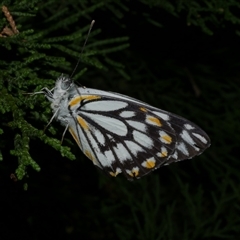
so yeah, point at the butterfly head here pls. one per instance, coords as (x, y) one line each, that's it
(59, 95)
(63, 84)
(64, 87)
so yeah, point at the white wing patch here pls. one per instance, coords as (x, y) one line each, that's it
(103, 160)
(188, 126)
(133, 147)
(175, 155)
(182, 148)
(142, 139)
(110, 157)
(127, 114)
(186, 137)
(112, 125)
(137, 125)
(122, 153)
(101, 139)
(162, 115)
(104, 105)
(200, 137)
(92, 141)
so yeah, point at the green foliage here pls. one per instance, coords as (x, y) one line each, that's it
(30, 66)
(204, 14)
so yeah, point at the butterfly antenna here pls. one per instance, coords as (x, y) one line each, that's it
(79, 59)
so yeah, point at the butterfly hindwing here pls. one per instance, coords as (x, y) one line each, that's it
(122, 134)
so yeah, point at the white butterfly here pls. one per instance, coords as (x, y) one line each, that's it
(122, 134)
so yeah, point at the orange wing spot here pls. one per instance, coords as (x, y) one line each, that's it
(143, 109)
(149, 163)
(129, 173)
(74, 136)
(164, 154)
(82, 123)
(75, 101)
(167, 139)
(155, 121)
(135, 171)
(89, 155)
(114, 174)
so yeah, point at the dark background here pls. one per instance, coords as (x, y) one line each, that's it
(183, 58)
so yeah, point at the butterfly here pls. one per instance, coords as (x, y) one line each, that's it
(120, 134)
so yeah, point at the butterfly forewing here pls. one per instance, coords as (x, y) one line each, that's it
(123, 135)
